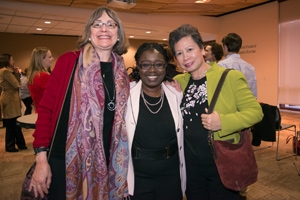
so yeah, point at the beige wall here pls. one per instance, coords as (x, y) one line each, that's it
(20, 47)
(258, 28)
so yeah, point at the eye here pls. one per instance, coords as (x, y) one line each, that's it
(178, 53)
(159, 65)
(189, 49)
(145, 65)
(111, 25)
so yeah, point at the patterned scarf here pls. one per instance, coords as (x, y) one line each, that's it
(85, 158)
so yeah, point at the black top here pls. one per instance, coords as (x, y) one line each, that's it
(155, 131)
(108, 78)
(193, 104)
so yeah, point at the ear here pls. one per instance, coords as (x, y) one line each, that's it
(225, 47)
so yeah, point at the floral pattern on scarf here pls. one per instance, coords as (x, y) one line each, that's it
(85, 158)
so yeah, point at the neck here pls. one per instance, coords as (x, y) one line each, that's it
(152, 92)
(105, 56)
(200, 73)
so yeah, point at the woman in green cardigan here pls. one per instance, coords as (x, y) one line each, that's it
(236, 109)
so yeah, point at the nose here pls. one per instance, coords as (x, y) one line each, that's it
(103, 28)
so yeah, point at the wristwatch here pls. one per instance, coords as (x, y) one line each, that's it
(40, 149)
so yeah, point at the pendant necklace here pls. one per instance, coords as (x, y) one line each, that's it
(161, 101)
(111, 106)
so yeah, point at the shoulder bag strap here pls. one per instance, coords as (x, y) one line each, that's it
(217, 91)
(210, 136)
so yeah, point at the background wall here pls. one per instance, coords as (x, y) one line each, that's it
(20, 47)
(289, 71)
(258, 28)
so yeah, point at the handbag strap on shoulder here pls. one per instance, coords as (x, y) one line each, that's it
(217, 91)
(210, 136)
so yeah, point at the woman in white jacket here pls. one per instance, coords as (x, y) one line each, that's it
(154, 126)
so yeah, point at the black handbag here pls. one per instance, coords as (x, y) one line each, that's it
(26, 194)
(236, 163)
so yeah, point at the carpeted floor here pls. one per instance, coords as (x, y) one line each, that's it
(277, 180)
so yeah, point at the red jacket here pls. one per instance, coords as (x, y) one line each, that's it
(51, 102)
(38, 87)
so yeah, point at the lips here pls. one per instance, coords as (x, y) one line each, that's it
(189, 64)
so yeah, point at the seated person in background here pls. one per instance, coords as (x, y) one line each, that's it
(154, 126)
(24, 93)
(213, 52)
(38, 74)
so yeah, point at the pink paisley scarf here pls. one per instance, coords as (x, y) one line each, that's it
(85, 159)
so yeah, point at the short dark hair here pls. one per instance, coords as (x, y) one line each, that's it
(4, 60)
(217, 50)
(233, 42)
(144, 47)
(183, 31)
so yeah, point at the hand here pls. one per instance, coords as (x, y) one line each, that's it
(174, 84)
(211, 121)
(41, 178)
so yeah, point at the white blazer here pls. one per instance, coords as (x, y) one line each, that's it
(174, 98)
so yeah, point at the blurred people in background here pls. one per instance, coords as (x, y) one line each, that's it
(171, 69)
(232, 44)
(213, 52)
(38, 73)
(10, 105)
(24, 93)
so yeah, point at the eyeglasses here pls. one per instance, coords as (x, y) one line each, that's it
(99, 24)
(147, 66)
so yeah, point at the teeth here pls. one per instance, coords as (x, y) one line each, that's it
(152, 77)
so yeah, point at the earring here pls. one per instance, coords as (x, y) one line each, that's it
(89, 39)
(118, 39)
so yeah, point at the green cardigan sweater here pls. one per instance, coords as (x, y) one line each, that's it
(236, 105)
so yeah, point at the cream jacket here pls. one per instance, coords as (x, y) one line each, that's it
(174, 98)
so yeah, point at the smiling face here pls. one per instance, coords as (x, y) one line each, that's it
(188, 54)
(152, 77)
(104, 37)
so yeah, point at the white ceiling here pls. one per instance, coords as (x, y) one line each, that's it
(20, 17)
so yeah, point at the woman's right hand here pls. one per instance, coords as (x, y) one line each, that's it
(41, 178)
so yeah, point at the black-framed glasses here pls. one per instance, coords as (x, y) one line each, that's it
(99, 24)
(147, 66)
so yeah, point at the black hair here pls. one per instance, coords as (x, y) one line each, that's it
(183, 31)
(233, 42)
(144, 47)
(4, 60)
(217, 50)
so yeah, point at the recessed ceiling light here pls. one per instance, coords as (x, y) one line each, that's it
(202, 1)
(148, 31)
(39, 29)
(131, 36)
(47, 22)
(164, 39)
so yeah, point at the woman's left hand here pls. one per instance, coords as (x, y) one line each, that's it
(211, 121)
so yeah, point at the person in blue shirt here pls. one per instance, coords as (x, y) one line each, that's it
(232, 44)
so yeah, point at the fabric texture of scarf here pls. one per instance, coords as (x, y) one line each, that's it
(86, 169)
